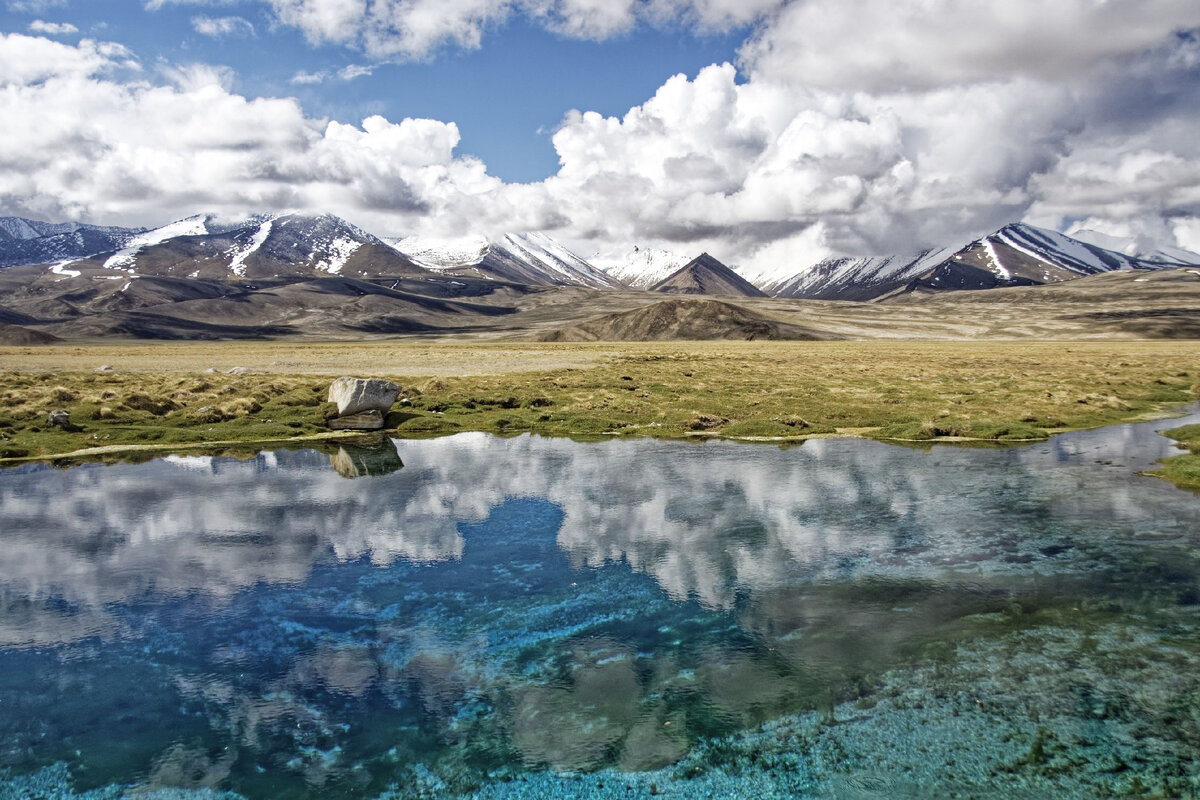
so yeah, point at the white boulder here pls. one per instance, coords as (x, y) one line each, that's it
(354, 395)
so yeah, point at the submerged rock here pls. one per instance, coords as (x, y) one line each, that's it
(353, 395)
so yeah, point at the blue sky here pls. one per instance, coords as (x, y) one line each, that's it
(771, 133)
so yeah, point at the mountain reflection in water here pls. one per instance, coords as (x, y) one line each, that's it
(471, 608)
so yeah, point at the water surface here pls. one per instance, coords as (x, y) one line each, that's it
(527, 617)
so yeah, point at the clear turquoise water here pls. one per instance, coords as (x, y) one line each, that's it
(525, 617)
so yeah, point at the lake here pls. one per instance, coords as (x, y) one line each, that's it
(538, 618)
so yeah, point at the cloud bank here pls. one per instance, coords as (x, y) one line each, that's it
(858, 127)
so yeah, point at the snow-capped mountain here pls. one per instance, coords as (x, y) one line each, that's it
(1140, 248)
(528, 258)
(1015, 255)
(643, 267)
(28, 241)
(262, 246)
(854, 278)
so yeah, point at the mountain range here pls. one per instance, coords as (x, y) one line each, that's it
(318, 275)
(297, 245)
(27, 241)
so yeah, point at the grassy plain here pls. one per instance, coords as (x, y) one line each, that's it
(177, 395)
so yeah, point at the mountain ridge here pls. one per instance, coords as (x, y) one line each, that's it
(1015, 255)
(534, 259)
(292, 245)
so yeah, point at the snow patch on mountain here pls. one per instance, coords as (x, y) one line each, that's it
(643, 267)
(339, 252)
(237, 263)
(60, 268)
(441, 255)
(997, 267)
(125, 258)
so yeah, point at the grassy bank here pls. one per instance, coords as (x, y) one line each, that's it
(1183, 470)
(993, 391)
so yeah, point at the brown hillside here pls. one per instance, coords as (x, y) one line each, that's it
(685, 319)
(16, 335)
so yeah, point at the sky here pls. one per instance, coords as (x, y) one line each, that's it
(770, 133)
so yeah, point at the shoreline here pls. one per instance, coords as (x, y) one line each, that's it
(163, 397)
(236, 446)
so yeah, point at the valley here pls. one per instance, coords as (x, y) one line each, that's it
(223, 335)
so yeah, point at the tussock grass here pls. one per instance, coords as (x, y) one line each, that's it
(788, 391)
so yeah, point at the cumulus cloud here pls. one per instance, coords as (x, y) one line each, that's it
(52, 28)
(222, 26)
(71, 152)
(844, 141)
(736, 168)
(415, 29)
(848, 128)
(883, 45)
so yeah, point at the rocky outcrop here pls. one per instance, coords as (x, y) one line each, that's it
(354, 395)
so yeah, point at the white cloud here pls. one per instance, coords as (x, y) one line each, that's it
(80, 144)
(415, 29)
(304, 78)
(586, 19)
(34, 6)
(336, 21)
(222, 26)
(886, 45)
(155, 5)
(52, 28)
(352, 71)
(29, 59)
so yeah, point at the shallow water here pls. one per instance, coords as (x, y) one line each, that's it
(526, 617)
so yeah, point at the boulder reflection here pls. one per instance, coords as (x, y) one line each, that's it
(366, 456)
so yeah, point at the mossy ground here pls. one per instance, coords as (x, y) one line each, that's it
(992, 391)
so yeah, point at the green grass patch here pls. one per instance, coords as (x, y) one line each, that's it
(961, 429)
(1183, 470)
(983, 391)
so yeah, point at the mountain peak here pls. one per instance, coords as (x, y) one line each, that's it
(535, 259)
(706, 275)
